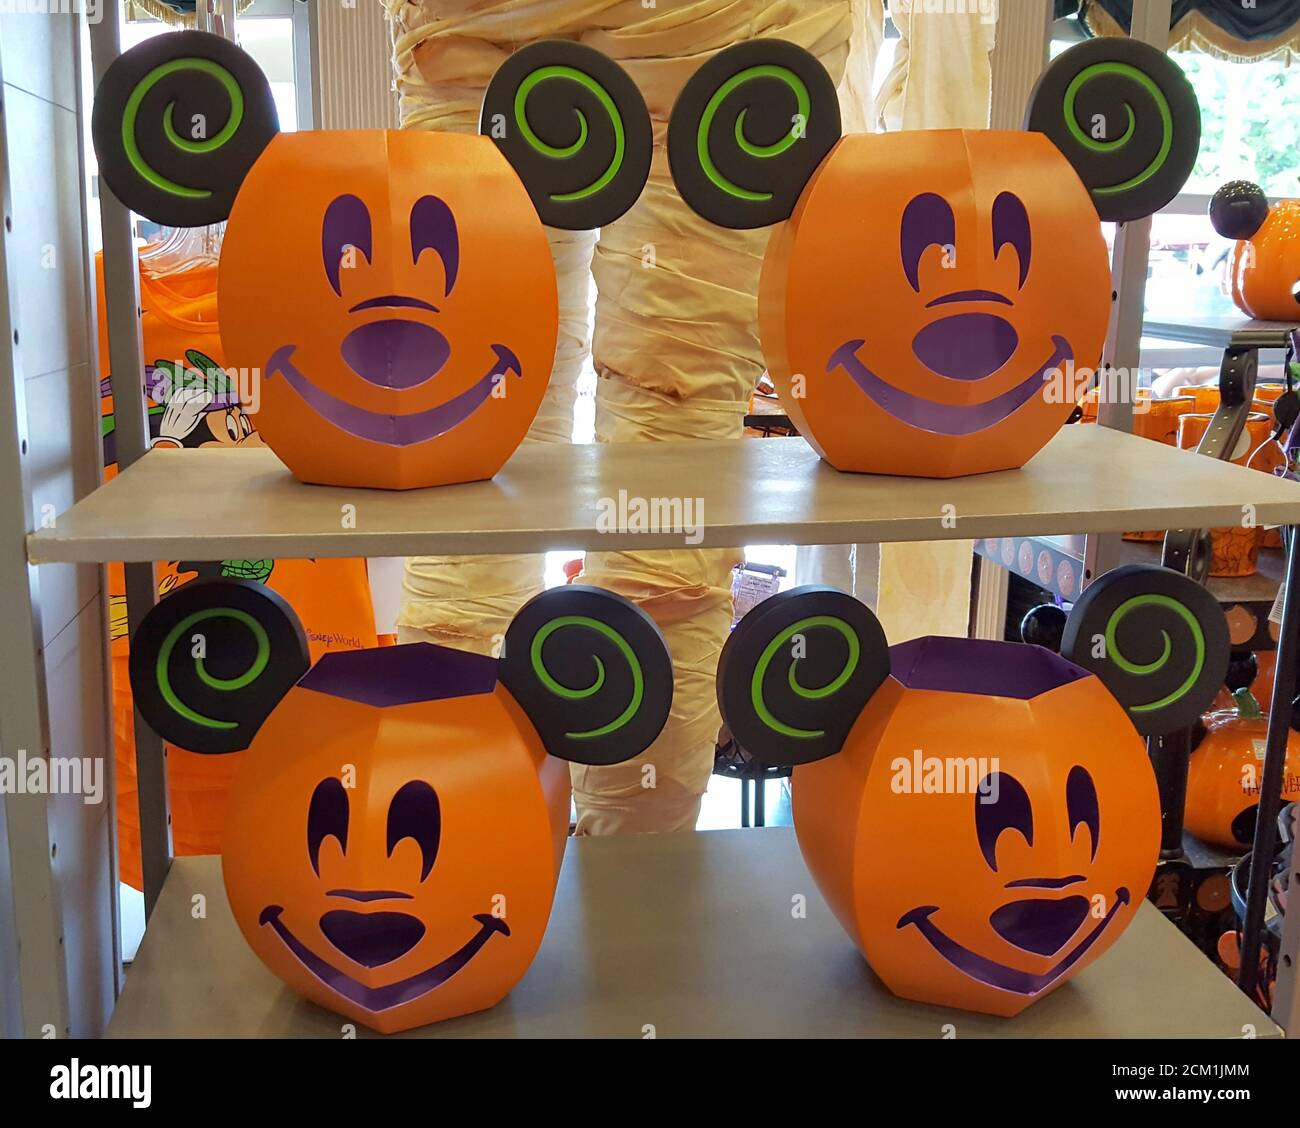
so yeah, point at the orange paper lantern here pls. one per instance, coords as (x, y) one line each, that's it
(400, 352)
(938, 299)
(981, 816)
(394, 837)
(390, 296)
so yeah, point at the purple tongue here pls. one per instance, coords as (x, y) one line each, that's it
(396, 353)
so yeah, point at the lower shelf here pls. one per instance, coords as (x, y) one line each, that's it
(692, 934)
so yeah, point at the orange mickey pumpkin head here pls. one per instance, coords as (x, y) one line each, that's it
(1265, 265)
(980, 816)
(937, 299)
(394, 838)
(1225, 770)
(390, 294)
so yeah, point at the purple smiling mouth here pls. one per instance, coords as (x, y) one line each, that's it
(999, 975)
(945, 418)
(376, 999)
(392, 430)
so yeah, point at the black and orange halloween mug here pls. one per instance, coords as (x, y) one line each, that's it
(981, 817)
(392, 291)
(933, 302)
(394, 837)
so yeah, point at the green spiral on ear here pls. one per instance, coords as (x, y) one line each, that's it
(591, 671)
(1195, 662)
(570, 694)
(1156, 639)
(150, 126)
(130, 123)
(211, 661)
(223, 685)
(576, 130)
(1121, 71)
(749, 130)
(797, 672)
(1146, 111)
(832, 687)
(564, 153)
(803, 100)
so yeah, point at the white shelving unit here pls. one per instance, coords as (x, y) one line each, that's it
(215, 505)
(771, 490)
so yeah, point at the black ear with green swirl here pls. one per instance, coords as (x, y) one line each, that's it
(211, 660)
(178, 122)
(576, 130)
(592, 672)
(1125, 116)
(796, 673)
(749, 130)
(1156, 639)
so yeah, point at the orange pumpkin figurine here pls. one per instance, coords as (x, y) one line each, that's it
(1265, 265)
(1226, 767)
(981, 816)
(391, 292)
(394, 838)
(936, 299)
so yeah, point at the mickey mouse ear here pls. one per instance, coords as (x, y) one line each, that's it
(1125, 116)
(211, 660)
(1156, 639)
(178, 122)
(796, 673)
(576, 129)
(1238, 209)
(592, 672)
(749, 130)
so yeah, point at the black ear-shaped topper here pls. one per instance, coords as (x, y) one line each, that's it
(1125, 116)
(1157, 640)
(592, 672)
(178, 122)
(576, 129)
(1238, 209)
(796, 673)
(749, 130)
(211, 660)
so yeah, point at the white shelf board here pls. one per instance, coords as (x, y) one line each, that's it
(692, 933)
(243, 504)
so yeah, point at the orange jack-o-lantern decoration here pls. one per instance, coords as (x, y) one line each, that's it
(1265, 266)
(1225, 772)
(938, 298)
(981, 816)
(394, 838)
(392, 294)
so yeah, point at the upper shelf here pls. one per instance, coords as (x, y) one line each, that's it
(243, 504)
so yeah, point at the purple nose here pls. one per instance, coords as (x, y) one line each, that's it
(371, 939)
(967, 346)
(1040, 926)
(396, 353)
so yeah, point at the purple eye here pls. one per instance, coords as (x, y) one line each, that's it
(414, 813)
(433, 228)
(1011, 226)
(327, 818)
(1081, 805)
(1010, 811)
(346, 226)
(927, 222)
